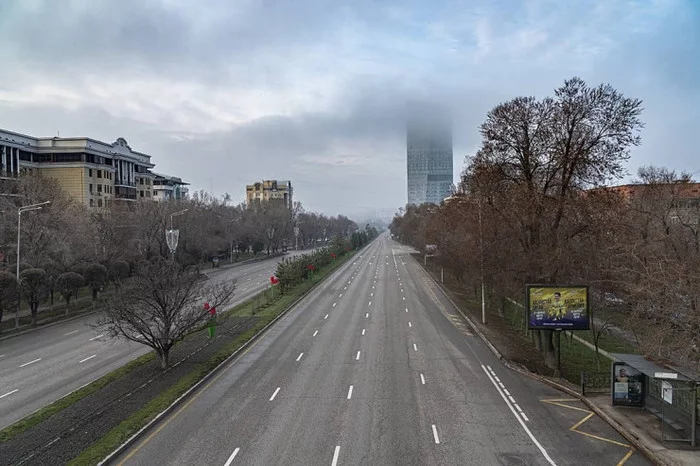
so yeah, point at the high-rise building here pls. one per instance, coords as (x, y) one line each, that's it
(270, 191)
(428, 154)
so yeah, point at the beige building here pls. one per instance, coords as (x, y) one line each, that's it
(270, 190)
(92, 172)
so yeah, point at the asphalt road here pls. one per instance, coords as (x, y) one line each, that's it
(374, 367)
(39, 367)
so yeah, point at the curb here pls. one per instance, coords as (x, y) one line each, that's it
(50, 324)
(653, 457)
(131, 440)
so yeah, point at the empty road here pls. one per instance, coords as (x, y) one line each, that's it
(40, 366)
(375, 367)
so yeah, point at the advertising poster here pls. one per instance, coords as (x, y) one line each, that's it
(628, 385)
(557, 307)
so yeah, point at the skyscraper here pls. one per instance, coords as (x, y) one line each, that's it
(428, 154)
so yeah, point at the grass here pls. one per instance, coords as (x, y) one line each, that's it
(273, 307)
(44, 413)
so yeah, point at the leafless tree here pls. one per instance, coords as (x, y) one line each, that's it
(161, 304)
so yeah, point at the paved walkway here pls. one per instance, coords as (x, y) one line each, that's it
(646, 427)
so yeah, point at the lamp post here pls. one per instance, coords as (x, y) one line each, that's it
(172, 236)
(481, 247)
(25, 208)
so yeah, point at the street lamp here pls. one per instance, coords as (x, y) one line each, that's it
(172, 236)
(25, 208)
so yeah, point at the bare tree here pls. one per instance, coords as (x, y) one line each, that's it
(161, 304)
(34, 288)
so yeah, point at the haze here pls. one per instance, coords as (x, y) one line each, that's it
(224, 94)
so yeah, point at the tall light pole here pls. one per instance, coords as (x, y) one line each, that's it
(481, 246)
(172, 236)
(25, 208)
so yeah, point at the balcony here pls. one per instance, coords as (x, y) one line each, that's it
(131, 184)
(124, 192)
(8, 174)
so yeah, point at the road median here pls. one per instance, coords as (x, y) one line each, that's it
(85, 428)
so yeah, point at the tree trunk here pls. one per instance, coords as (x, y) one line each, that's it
(34, 307)
(1, 311)
(94, 294)
(164, 358)
(502, 307)
(51, 291)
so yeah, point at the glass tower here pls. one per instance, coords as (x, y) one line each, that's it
(429, 155)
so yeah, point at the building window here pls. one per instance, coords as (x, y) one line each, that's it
(99, 188)
(92, 203)
(99, 173)
(99, 203)
(140, 193)
(90, 188)
(90, 172)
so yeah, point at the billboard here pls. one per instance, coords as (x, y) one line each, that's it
(556, 307)
(628, 385)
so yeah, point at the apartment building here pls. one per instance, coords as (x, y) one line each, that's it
(93, 173)
(270, 190)
(166, 187)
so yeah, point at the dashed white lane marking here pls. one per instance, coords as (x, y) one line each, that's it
(86, 359)
(98, 336)
(357, 358)
(334, 304)
(350, 392)
(30, 362)
(230, 458)
(340, 295)
(326, 316)
(404, 298)
(504, 390)
(274, 394)
(335, 455)
(9, 393)
(409, 325)
(406, 309)
(363, 331)
(489, 373)
(415, 348)
(367, 316)
(422, 379)
(299, 357)
(370, 303)
(71, 333)
(315, 333)
(435, 435)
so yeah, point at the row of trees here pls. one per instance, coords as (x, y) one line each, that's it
(65, 246)
(532, 207)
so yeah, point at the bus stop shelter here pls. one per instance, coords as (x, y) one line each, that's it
(662, 389)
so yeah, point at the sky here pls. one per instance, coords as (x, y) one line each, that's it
(224, 93)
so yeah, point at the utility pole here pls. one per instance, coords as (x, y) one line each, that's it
(481, 247)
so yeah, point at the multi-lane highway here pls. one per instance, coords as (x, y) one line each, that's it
(375, 367)
(40, 366)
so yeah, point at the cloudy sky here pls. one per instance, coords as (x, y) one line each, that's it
(225, 92)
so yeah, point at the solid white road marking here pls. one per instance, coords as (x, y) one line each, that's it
(30, 362)
(520, 421)
(422, 379)
(415, 348)
(326, 316)
(363, 331)
(357, 358)
(335, 455)
(315, 333)
(86, 359)
(230, 458)
(274, 394)
(350, 392)
(435, 435)
(409, 325)
(98, 336)
(71, 333)
(367, 316)
(9, 393)
(299, 357)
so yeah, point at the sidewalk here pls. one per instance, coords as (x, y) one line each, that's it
(646, 428)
